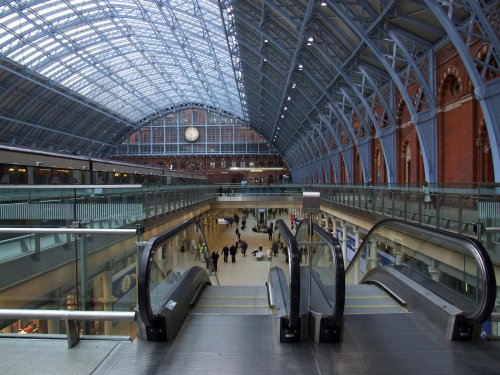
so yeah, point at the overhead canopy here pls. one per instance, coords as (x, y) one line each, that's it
(109, 66)
(315, 78)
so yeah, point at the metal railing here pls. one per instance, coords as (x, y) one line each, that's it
(71, 318)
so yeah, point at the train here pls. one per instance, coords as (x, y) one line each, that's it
(19, 166)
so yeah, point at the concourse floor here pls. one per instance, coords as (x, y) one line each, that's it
(246, 270)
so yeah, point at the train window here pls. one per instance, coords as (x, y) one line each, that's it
(14, 174)
(41, 176)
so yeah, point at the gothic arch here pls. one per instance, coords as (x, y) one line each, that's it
(483, 159)
(450, 85)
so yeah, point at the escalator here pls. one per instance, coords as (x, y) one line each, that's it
(172, 289)
(401, 299)
(403, 273)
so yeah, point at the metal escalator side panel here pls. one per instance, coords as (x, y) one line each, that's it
(323, 280)
(455, 268)
(160, 273)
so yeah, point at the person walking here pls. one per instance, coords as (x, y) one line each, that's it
(237, 233)
(233, 250)
(244, 247)
(225, 252)
(197, 251)
(215, 259)
(206, 255)
(270, 231)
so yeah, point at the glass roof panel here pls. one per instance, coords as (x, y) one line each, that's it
(133, 57)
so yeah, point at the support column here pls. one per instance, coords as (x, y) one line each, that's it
(373, 257)
(434, 270)
(344, 239)
(399, 255)
(357, 244)
(334, 227)
(107, 299)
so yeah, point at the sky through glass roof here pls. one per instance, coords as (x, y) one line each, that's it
(133, 57)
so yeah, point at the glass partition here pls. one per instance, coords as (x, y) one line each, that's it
(454, 267)
(322, 262)
(171, 255)
(286, 258)
(92, 270)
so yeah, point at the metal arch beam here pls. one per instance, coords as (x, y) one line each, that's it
(49, 130)
(386, 146)
(70, 97)
(426, 123)
(310, 135)
(363, 145)
(332, 102)
(234, 51)
(390, 163)
(93, 61)
(279, 48)
(335, 163)
(429, 93)
(325, 164)
(317, 128)
(488, 94)
(293, 60)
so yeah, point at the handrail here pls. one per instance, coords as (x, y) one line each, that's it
(145, 264)
(475, 248)
(294, 269)
(66, 314)
(70, 230)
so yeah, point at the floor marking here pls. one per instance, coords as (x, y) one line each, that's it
(230, 297)
(354, 297)
(373, 306)
(235, 306)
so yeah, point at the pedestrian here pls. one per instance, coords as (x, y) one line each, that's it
(225, 252)
(270, 231)
(197, 252)
(275, 248)
(206, 255)
(215, 258)
(427, 195)
(258, 251)
(244, 247)
(233, 250)
(237, 233)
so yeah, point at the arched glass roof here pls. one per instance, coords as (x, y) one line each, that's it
(131, 57)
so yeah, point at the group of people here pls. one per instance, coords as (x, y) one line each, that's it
(262, 228)
(226, 251)
(203, 254)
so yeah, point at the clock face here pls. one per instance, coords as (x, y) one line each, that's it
(191, 134)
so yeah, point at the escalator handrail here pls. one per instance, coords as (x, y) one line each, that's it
(145, 263)
(294, 269)
(338, 259)
(476, 249)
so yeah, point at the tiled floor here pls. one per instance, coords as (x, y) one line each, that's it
(246, 270)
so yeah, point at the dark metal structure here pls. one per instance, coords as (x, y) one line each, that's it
(315, 78)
